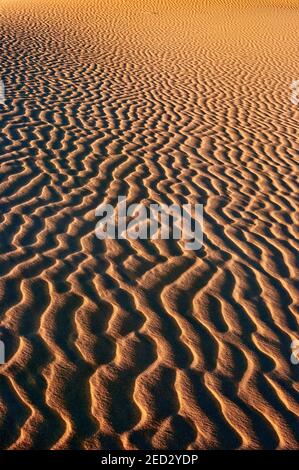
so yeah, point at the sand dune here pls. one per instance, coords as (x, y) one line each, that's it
(142, 344)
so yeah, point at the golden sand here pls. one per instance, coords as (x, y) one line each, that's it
(143, 344)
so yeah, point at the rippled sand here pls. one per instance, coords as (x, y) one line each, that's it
(143, 344)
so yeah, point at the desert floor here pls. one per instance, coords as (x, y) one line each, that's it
(140, 344)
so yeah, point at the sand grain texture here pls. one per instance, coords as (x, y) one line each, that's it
(143, 344)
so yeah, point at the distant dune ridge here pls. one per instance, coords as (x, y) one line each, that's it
(124, 344)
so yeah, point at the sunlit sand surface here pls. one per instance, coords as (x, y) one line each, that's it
(143, 344)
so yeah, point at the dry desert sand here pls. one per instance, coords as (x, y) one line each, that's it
(124, 344)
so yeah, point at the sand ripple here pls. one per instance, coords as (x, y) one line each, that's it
(141, 344)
